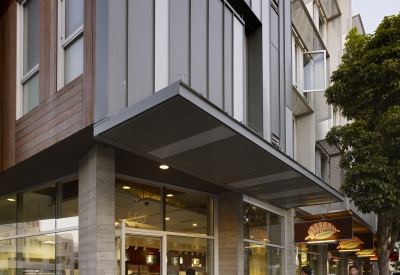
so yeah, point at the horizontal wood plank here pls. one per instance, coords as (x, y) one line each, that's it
(60, 136)
(50, 115)
(48, 125)
(52, 132)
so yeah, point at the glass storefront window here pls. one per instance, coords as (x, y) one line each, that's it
(185, 252)
(67, 215)
(37, 210)
(67, 252)
(8, 257)
(262, 259)
(138, 205)
(36, 255)
(188, 212)
(262, 225)
(8, 215)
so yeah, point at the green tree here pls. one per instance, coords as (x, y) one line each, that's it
(366, 89)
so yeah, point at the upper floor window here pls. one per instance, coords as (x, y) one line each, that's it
(70, 53)
(28, 96)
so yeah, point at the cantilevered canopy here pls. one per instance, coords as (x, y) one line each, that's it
(178, 127)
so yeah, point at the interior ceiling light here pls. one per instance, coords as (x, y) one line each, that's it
(195, 224)
(10, 199)
(126, 187)
(163, 166)
(167, 219)
(170, 195)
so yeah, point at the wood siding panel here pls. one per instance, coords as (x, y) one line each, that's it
(56, 118)
(49, 105)
(64, 134)
(8, 44)
(69, 103)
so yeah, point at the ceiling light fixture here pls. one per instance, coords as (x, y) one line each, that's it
(170, 195)
(167, 219)
(126, 187)
(163, 166)
(10, 199)
(195, 224)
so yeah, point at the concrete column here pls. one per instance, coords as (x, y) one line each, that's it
(230, 233)
(97, 212)
(290, 253)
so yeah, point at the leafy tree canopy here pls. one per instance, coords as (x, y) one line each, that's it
(366, 89)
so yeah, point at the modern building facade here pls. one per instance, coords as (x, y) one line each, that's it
(149, 136)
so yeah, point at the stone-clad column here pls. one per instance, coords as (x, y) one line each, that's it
(230, 233)
(97, 212)
(290, 254)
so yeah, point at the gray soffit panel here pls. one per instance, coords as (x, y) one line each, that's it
(178, 127)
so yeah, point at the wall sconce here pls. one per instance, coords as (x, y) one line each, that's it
(180, 260)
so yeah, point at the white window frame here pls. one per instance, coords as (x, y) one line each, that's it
(63, 42)
(302, 65)
(22, 78)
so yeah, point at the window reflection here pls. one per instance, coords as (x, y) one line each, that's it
(8, 257)
(36, 255)
(68, 204)
(188, 212)
(67, 252)
(8, 215)
(184, 253)
(262, 225)
(261, 259)
(37, 210)
(139, 205)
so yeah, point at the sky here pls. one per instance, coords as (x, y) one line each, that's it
(373, 11)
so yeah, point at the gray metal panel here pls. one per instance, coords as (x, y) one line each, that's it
(117, 56)
(289, 132)
(101, 79)
(281, 49)
(288, 53)
(215, 52)
(255, 81)
(198, 46)
(274, 28)
(140, 49)
(275, 94)
(228, 60)
(179, 39)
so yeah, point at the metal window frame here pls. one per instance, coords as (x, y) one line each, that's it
(313, 52)
(64, 42)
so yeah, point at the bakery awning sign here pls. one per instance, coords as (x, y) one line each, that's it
(359, 241)
(324, 230)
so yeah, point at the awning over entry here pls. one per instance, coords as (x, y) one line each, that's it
(178, 127)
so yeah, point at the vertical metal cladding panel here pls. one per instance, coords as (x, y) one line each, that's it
(101, 79)
(321, 108)
(215, 52)
(304, 141)
(275, 96)
(198, 46)
(179, 28)
(228, 64)
(117, 56)
(140, 49)
(238, 70)
(335, 172)
(255, 81)
(161, 49)
(256, 7)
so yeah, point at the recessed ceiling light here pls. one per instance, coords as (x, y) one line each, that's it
(170, 195)
(167, 219)
(10, 199)
(195, 224)
(126, 187)
(163, 166)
